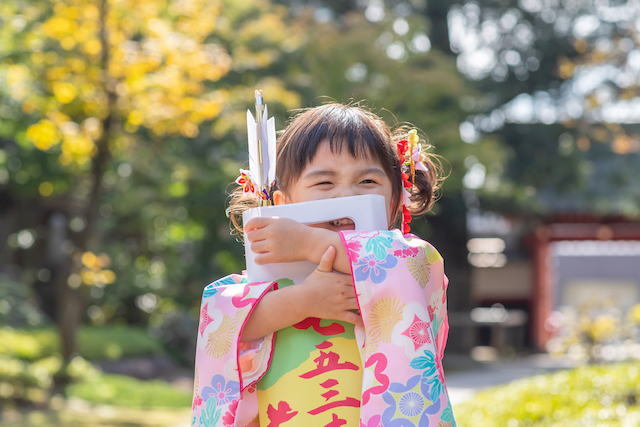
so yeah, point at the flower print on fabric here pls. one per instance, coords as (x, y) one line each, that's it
(419, 332)
(419, 267)
(364, 234)
(432, 372)
(219, 342)
(447, 417)
(408, 404)
(405, 252)
(197, 401)
(221, 391)
(372, 268)
(204, 318)
(419, 264)
(383, 317)
(227, 280)
(372, 422)
(353, 248)
(229, 417)
(210, 414)
(379, 245)
(374, 380)
(209, 291)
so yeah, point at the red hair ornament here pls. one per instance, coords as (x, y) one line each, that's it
(410, 153)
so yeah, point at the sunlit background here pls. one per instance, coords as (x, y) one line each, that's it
(122, 127)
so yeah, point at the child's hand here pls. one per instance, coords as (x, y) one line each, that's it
(330, 295)
(277, 239)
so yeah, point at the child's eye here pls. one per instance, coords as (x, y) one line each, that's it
(324, 183)
(368, 181)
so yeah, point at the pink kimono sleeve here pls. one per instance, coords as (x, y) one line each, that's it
(440, 318)
(225, 369)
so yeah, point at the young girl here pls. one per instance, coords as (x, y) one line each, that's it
(361, 340)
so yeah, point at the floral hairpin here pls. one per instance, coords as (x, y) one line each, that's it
(411, 159)
(249, 186)
(245, 181)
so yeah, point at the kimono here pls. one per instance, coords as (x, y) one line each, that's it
(401, 292)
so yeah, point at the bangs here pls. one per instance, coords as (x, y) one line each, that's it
(345, 128)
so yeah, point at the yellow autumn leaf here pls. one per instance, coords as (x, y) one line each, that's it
(108, 276)
(43, 134)
(90, 260)
(87, 276)
(64, 92)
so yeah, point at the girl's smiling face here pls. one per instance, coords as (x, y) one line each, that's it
(339, 174)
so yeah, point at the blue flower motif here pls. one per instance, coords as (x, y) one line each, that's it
(430, 374)
(210, 414)
(426, 363)
(447, 414)
(408, 404)
(209, 291)
(227, 280)
(221, 391)
(411, 404)
(374, 268)
(378, 245)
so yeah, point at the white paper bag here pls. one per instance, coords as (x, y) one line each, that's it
(368, 212)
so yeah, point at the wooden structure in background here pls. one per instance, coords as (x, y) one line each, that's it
(566, 227)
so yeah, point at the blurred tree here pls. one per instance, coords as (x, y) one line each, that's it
(112, 95)
(559, 80)
(538, 63)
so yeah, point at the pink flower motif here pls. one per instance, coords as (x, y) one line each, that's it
(197, 401)
(353, 246)
(204, 318)
(419, 332)
(432, 311)
(373, 422)
(230, 416)
(406, 252)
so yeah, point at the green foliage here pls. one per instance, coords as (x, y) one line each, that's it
(95, 343)
(28, 345)
(17, 307)
(115, 343)
(361, 60)
(26, 381)
(30, 360)
(118, 390)
(593, 395)
(105, 417)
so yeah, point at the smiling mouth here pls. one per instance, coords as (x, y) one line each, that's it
(341, 222)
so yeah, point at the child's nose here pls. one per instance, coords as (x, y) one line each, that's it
(347, 191)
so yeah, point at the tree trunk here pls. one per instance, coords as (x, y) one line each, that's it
(72, 300)
(436, 12)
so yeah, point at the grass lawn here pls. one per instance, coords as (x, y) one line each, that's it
(29, 360)
(599, 396)
(100, 416)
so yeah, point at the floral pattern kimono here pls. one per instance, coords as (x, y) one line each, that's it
(401, 292)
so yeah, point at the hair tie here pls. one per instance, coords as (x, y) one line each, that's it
(411, 159)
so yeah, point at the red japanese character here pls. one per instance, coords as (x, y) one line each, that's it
(336, 422)
(327, 362)
(280, 415)
(349, 401)
(314, 322)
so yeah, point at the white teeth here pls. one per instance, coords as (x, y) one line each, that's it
(340, 222)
